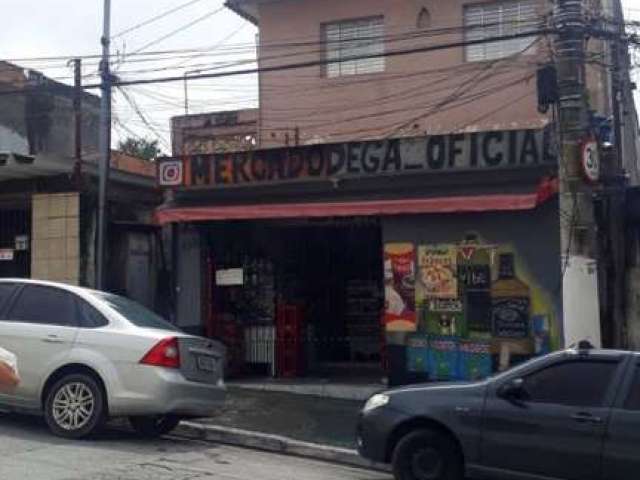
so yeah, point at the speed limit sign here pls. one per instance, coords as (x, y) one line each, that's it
(591, 160)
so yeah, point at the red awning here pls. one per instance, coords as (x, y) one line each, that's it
(466, 204)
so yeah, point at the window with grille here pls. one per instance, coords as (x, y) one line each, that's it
(500, 19)
(354, 38)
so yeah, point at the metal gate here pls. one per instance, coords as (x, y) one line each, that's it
(15, 243)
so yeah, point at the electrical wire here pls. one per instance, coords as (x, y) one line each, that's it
(154, 19)
(312, 63)
(249, 47)
(142, 117)
(178, 30)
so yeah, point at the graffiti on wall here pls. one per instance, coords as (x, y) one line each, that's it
(477, 310)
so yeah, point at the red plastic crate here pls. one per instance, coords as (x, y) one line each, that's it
(289, 341)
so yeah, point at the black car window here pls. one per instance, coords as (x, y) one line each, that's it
(6, 290)
(633, 399)
(90, 317)
(580, 383)
(45, 305)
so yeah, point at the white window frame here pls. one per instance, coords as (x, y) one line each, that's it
(353, 38)
(498, 19)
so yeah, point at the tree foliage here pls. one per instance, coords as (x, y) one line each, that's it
(140, 147)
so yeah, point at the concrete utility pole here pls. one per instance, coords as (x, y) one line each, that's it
(576, 206)
(186, 95)
(77, 110)
(105, 146)
(578, 234)
(614, 187)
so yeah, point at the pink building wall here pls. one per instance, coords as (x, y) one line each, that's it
(425, 93)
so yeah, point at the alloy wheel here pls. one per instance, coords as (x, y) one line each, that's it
(73, 406)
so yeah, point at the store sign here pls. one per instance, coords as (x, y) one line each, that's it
(230, 277)
(22, 243)
(170, 173)
(482, 151)
(6, 254)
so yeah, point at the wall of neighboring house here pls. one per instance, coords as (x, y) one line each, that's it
(41, 121)
(214, 132)
(422, 93)
(55, 244)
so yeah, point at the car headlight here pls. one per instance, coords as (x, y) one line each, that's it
(377, 401)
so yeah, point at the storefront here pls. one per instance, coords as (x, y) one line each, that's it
(423, 258)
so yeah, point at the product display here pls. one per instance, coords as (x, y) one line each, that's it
(399, 287)
(510, 302)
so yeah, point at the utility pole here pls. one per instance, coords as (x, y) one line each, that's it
(575, 194)
(577, 224)
(77, 110)
(105, 146)
(614, 194)
(186, 95)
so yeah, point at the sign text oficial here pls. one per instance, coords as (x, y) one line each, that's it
(432, 154)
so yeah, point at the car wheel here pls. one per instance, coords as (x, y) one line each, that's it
(427, 455)
(154, 426)
(75, 406)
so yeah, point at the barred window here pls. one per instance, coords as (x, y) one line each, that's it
(497, 20)
(354, 38)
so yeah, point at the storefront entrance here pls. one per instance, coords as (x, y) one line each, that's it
(297, 298)
(15, 232)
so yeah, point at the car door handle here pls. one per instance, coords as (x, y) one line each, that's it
(52, 339)
(585, 417)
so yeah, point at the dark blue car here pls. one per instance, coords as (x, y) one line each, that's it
(570, 415)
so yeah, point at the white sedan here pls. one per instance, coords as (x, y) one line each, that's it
(85, 356)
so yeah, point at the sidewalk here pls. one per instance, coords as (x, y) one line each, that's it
(285, 423)
(307, 418)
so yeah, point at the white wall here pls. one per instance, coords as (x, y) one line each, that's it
(580, 301)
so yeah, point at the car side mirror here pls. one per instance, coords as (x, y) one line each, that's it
(513, 390)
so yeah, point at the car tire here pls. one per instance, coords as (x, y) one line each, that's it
(155, 425)
(427, 455)
(75, 406)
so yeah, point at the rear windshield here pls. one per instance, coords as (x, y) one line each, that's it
(137, 314)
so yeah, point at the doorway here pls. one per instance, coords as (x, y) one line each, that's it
(329, 271)
(15, 243)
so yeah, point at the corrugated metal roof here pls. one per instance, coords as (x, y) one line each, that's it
(17, 166)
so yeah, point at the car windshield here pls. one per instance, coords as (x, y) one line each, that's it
(135, 313)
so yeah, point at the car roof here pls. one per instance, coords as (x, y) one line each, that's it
(596, 352)
(46, 283)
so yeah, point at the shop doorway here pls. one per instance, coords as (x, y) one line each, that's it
(301, 298)
(15, 235)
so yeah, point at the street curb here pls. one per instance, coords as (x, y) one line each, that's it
(333, 391)
(275, 443)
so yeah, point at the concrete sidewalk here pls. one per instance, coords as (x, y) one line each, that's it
(316, 387)
(286, 423)
(306, 418)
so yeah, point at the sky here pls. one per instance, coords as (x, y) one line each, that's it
(61, 28)
(46, 28)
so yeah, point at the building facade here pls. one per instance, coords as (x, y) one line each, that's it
(399, 215)
(215, 132)
(48, 196)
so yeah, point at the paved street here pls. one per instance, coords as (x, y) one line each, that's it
(28, 451)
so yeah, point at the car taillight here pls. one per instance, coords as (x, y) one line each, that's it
(164, 354)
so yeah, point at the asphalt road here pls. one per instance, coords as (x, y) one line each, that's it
(29, 452)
